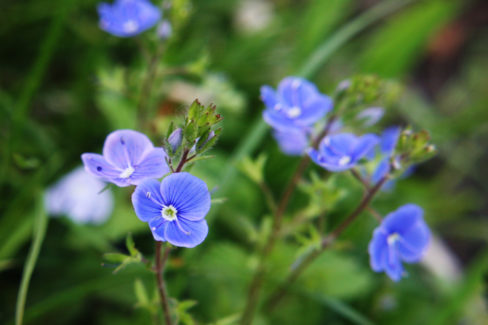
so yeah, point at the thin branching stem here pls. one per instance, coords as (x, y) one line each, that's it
(258, 278)
(302, 264)
(163, 293)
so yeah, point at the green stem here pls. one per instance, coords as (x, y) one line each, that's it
(38, 237)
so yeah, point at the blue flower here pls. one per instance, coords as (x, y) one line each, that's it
(388, 142)
(296, 104)
(77, 196)
(292, 142)
(342, 151)
(126, 18)
(175, 208)
(402, 236)
(128, 158)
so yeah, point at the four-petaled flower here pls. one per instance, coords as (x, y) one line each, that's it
(126, 18)
(175, 208)
(402, 236)
(342, 151)
(296, 104)
(128, 158)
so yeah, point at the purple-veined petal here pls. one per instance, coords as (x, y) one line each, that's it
(96, 165)
(188, 194)
(153, 165)
(125, 148)
(186, 233)
(147, 200)
(339, 144)
(158, 227)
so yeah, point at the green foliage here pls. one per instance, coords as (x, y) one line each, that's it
(66, 85)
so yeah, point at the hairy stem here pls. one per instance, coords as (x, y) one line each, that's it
(257, 280)
(302, 264)
(163, 293)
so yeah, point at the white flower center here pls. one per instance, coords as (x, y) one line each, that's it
(169, 212)
(293, 112)
(130, 26)
(127, 172)
(392, 238)
(344, 160)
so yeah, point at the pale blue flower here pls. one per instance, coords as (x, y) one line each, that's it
(78, 195)
(128, 158)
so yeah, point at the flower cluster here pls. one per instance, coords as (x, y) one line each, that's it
(174, 208)
(295, 110)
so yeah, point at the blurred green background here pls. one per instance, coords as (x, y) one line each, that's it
(60, 82)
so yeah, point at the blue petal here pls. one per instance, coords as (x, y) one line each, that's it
(381, 170)
(185, 233)
(158, 227)
(292, 142)
(188, 194)
(338, 145)
(278, 120)
(414, 242)
(268, 96)
(126, 147)
(364, 145)
(152, 165)
(147, 200)
(315, 110)
(377, 248)
(403, 219)
(97, 165)
(389, 139)
(393, 265)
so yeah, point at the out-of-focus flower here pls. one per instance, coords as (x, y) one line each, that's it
(292, 142)
(164, 30)
(296, 104)
(126, 18)
(371, 116)
(78, 196)
(128, 158)
(175, 208)
(253, 15)
(402, 236)
(342, 151)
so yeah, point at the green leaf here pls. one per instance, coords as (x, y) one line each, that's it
(141, 294)
(254, 169)
(40, 227)
(131, 246)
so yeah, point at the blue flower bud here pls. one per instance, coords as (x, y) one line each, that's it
(175, 139)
